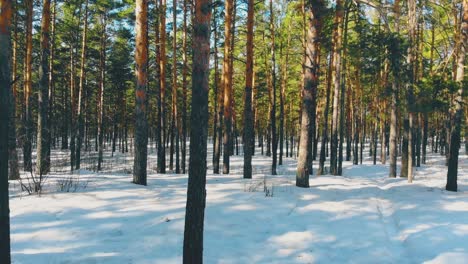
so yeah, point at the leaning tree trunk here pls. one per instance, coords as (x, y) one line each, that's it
(311, 77)
(141, 124)
(42, 119)
(5, 83)
(458, 117)
(196, 191)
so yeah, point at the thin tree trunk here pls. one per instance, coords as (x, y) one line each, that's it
(337, 35)
(80, 123)
(102, 85)
(162, 88)
(184, 88)
(323, 147)
(248, 113)
(28, 122)
(227, 86)
(174, 123)
(43, 111)
(411, 59)
(273, 87)
(393, 150)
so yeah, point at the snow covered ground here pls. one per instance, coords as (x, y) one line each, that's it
(362, 217)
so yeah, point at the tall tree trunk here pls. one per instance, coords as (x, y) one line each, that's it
(452, 171)
(274, 142)
(196, 192)
(220, 97)
(12, 152)
(227, 84)
(5, 90)
(184, 88)
(28, 122)
(42, 119)
(342, 92)
(337, 35)
(323, 144)
(80, 106)
(102, 85)
(162, 88)
(51, 124)
(141, 123)
(411, 59)
(174, 123)
(393, 150)
(309, 92)
(248, 113)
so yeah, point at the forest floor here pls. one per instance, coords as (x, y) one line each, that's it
(361, 217)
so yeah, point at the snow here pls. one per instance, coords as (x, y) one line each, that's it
(362, 217)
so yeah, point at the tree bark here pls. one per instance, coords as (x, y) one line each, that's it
(43, 111)
(248, 113)
(162, 88)
(80, 106)
(394, 107)
(337, 35)
(227, 86)
(452, 171)
(102, 85)
(12, 152)
(196, 192)
(309, 92)
(141, 125)
(27, 118)
(5, 90)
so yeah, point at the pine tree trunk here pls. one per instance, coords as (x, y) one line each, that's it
(184, 89)
(174, 123)
(162, 88)
(274, 141)
(393, 150)
(452, 171)
(323, 147)
(12, 152)
(248, 113)
(43, 111)
(411, 59)
(141, 123)
(27, 119)
(196, 192)
(227, 86)
(5, 90)
(102, 85)
(311, 78)
(337, 34)
(81, 89)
